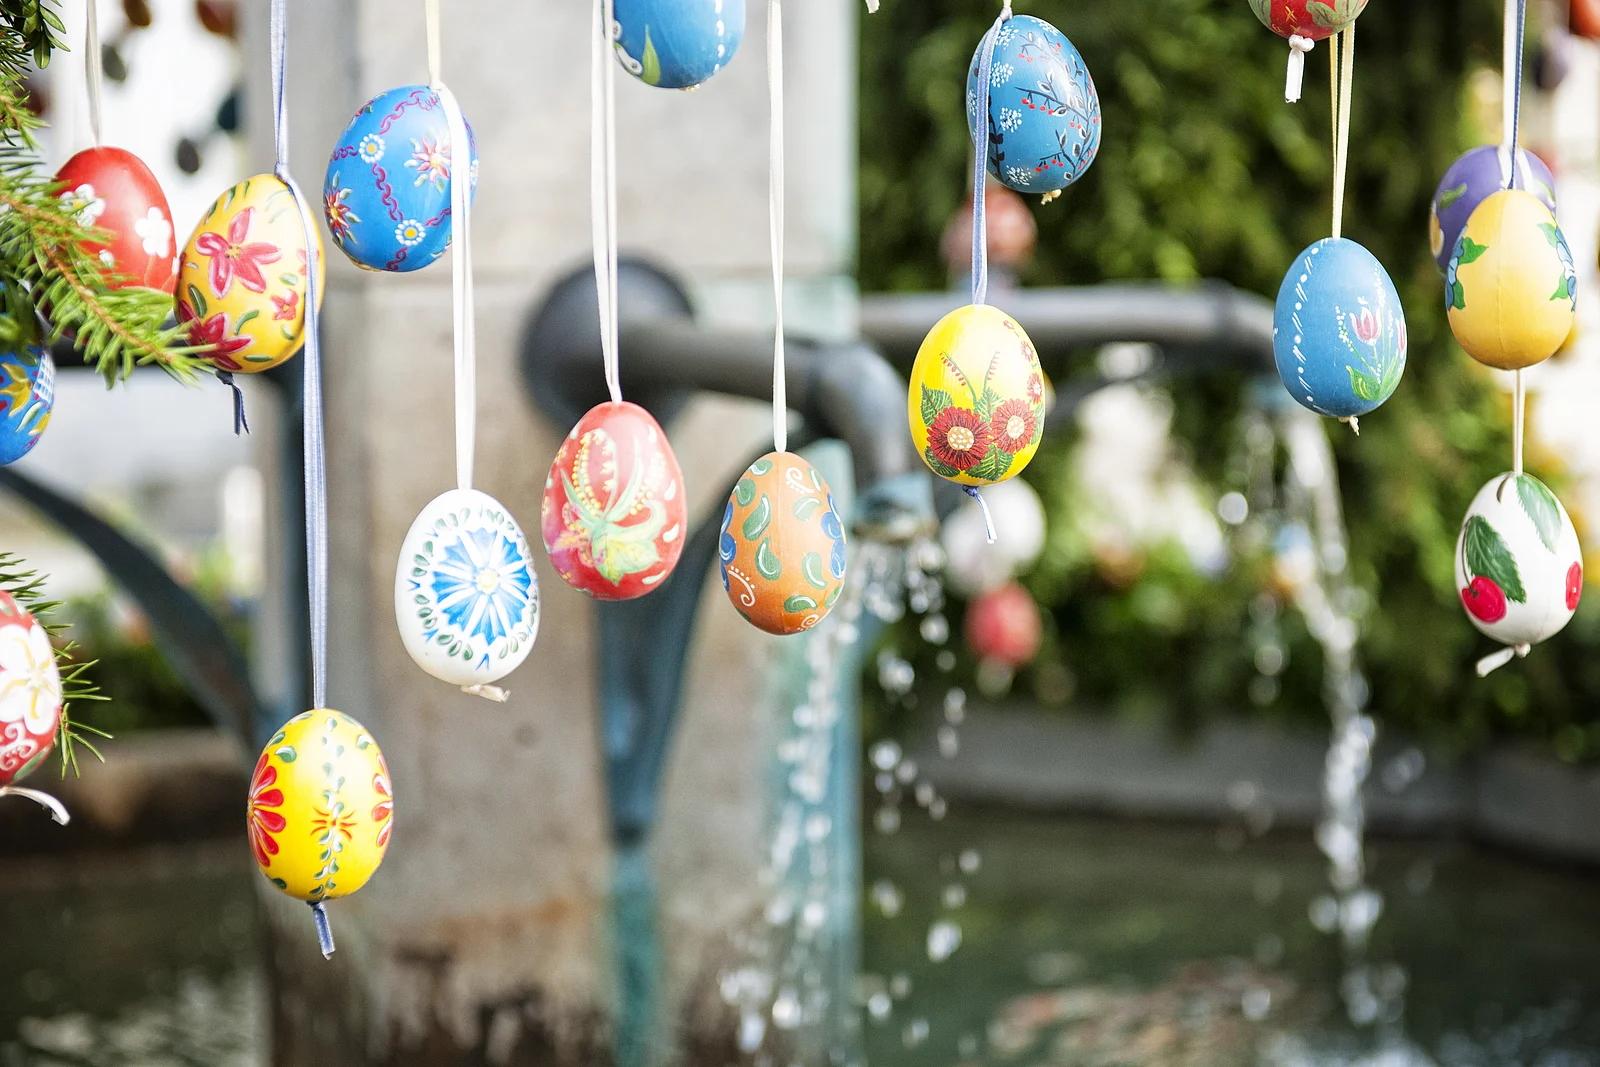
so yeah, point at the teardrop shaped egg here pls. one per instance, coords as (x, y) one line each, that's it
(782, 545)
(676, 44)
(1519, 567)
(1472, 179)
(1511, 289)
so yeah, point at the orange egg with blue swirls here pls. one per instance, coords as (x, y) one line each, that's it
(321, 807)
(782, 545)
(242, 277)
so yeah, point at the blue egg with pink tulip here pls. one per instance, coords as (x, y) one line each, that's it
(1339, 332)
(386, 197)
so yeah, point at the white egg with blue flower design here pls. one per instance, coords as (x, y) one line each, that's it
(466, 598)
(1044, 112)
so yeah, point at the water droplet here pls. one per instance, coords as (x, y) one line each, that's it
(885, 754)
(900, 986)
(915, 1033)
(937, 809)
(887, 820)
(970, 861)
(925, 793)
(949, 742)
(967, 1046)
(886, 895)
(752, 1029)
(935, 629)
(1255, 1004)
(955, 895)
(945, 660)
(1233, 508)
(1324, 914)
(907, 771)
(879, 1005)
(818, 825)
(884, 781)
(786, 1011)
(955, 706)
(944, 937)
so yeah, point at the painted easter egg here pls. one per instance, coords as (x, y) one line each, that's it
(30, 692)
(676, 44)
(387, 194)
(1044, 112)
(1519, 568)
(613, 516)
(1477, 175)
(1003, 625)
(1314, 20)
(782, 545)
(1510, 287)
(27, 396)
(321, 807)
(1339, 332)
(242, 277)
(976, 401)
(466, 598)
(112, 190)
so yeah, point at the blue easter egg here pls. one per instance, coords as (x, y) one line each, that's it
(1470, 181)
(1044, 113)
(1339, 334)
(676, 44)
(27, 394)
(387, 194)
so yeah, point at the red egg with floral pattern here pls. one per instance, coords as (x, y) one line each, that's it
(30, 692)
(613, 515)
(110, 189)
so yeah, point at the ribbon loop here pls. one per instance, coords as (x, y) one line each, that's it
(603, 189)
(93, 65)
(1298, 47)
(775, 219)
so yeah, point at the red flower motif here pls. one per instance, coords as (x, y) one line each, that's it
(288, 306)
(1574, 586)
(232, 257)
(214, 331)
(958, 438)
(384, 809)
(1012, 426)
(1036, 388)
(265, 823)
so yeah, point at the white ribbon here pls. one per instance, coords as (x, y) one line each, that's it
(1298, 47)
(93, 65)
(603, 189)
(57, 810)
(775, 214)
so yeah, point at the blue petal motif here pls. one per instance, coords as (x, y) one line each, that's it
(834, 528)
(482, 584)
(726, 549)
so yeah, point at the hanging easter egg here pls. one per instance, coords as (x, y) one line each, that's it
(30, 692)
(1510, 286)
(242, 277)
(782, 545)
(1003, 626)
(676, 44)
(1471, 179)
(386, 197)
(1339, 332)
(613, 513)
(466, 598)
(112, 190)
(1044, 112)
(321, 808)
(976, 401)
(1519, 568)
(1302, 23)
(27, 395)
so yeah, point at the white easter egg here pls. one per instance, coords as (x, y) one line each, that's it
(466, 598)
(1519, 568)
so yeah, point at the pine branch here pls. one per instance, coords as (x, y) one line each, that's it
(27, 588)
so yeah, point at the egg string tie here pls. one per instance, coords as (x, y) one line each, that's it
(57, 810)
(1495, 660)
(319, 915)
(240, 425)
(603, 189)
(983, 506)
(981, 140)
(93, 70)
(775, 215)
(1516, 25)
(1345, 58)
(1298, 47)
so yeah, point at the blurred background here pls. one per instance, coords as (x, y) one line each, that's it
(1191, 768)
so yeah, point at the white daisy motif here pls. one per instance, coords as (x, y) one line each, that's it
(30, 684)
(1010, 119)
(371, 148)
(1007, 35)
(999, 74)
(410, 233)
(83, 200)
(107, 258)
(1019, 175)
(156, 231)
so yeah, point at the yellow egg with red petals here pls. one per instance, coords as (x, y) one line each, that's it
(977, 397)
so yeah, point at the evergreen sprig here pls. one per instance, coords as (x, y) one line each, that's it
(26, 586)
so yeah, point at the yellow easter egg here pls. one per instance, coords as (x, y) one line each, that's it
(977, 397)
(321, 807)
(242, 277)
(1510, 286)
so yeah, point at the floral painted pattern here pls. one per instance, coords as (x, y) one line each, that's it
(264, 818)
(1376, 342)
(336, 208)
(958, 438)
(27, 396)
(235, 256)
(1567, 288)
(383, 810)
(482, 584)
(782, 546)
(430, 158)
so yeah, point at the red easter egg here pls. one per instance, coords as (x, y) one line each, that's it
(112, 190)
(1003, 625)
(30, 692)
(1313, 19)
(613, 515)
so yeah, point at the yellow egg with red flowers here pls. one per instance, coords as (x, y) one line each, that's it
(977, 397)
(242, 277)
(321, 807)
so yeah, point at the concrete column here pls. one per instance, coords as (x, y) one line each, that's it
(482, 938)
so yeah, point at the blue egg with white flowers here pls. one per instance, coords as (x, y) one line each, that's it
(1339, 332)
(1044, 112)
(676, 44)
(386, 198)
(27, 396)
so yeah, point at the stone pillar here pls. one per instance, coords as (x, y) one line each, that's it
(482, 939)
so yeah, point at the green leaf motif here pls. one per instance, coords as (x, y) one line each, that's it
(1364, 385)
(768, 564)
(1450, 196)
(744, 492)
(1540, 504)
(1551, 234)
(197, 301)
(799, 602)
(1487, 556)
(246, 317)
(286, 753)
(1458, 297)
(1469, 251)
(994, 465)
(761, 466)
(833, 595)
(651, 75)
(811, 570)
(755, 524)
(806, 506)
(987, 403)
(942, 469)
(933, 402)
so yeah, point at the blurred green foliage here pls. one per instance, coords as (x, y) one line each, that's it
(1205, 172)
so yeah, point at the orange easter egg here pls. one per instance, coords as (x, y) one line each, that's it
(782, 545)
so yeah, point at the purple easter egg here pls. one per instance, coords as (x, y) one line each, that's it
(1473, 178)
